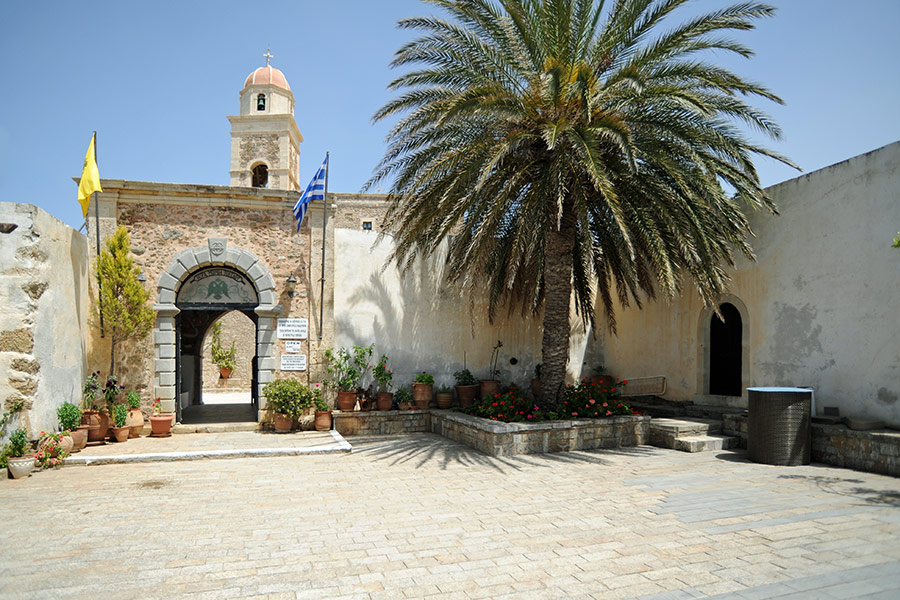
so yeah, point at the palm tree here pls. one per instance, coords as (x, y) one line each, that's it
(564, 148)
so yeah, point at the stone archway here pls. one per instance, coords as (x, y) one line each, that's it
(216, 253)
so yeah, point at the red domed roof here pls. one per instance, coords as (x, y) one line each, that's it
(267, 75)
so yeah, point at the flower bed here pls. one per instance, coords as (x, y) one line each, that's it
(582, 401)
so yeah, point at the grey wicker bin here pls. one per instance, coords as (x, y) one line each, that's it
(778, 426)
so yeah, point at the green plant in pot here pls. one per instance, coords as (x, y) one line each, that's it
(491, 385)
(403, 398)
(323, 409)
(135, 420)
(69, 417)
(345, 371)
(19, 459)
(466, 387)
(224, 359)
(121, 430)
(384, 399)
(286, 399)
(422, 388)
(444, 397)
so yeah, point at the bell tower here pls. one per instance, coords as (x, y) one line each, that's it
(265, 140)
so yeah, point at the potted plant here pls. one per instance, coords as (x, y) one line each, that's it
(69, 417)
(491, 385)
(286, 399)
(444, 397)
(384, 399)
(600, 377)
(323, 410)
(160, 424)
(466, 387)
(90, 415)
(422, 390)
(135, 420)
(17, 462)
(224, 359)
(52, 449)
(403, 397)
(345, 370)
(120, 431)
(111, 391)
(536, 382)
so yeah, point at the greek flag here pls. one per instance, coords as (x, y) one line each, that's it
(314, 191)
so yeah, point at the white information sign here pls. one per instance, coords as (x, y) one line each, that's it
(293, 347)
(293, 329)
(293, 362)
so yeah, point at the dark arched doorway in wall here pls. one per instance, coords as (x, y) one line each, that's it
(202, 299)
(725, 352)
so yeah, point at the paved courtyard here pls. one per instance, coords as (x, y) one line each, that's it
(419, 516)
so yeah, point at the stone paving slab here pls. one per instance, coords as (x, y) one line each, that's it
(419, 516)
(211, 446)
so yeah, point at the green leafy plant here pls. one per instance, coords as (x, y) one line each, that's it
(122, 303)
(18, 440)
(320, 402)
(17, 405)
(586, 400)
(49, 453)
(288, 397)
(896, 241)
(465, 377)
(133, 399)
(424, 377)
(120, 415)
(69, 416)
(382, 374)
(495, 356)
(90, 391)
(224, 359)
(346, 370)
(403, 395)
(445, 389)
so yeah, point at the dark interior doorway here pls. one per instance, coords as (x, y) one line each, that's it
(192, 326)
(725, 339)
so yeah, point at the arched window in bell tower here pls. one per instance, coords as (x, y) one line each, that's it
(260, 176)
(261, 102)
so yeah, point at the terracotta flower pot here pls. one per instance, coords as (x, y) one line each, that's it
(466, 394)
(489, 387)
(444, 399)
(536, 387)
(135, 422)
(160, 424)
(323, 420)
(405, 406)
(20, 466)
(120, 434)
(225, 373)
(422, 393)
(384, 400)
(96, 432)
(79, 438)
(283, 423)
(346, 401)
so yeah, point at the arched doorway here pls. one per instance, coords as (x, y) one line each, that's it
(199, 286)
(725, 351)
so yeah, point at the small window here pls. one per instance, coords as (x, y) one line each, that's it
(367, 225)
(261, 102)
(260, 176)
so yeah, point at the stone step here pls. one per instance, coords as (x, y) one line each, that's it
(705, 443)
(712, 411)
(664, 431)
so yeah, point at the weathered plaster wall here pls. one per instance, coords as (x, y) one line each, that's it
(419, 322)
(820, 300)
(44, 309)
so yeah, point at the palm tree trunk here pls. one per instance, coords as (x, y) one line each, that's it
(557, 299)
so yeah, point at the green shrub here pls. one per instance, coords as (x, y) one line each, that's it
(465, 377)
(69, 416)
(17, 443)
(133, 399)
(288, 397)
(424, 377)
(120, 414)
(403, 395)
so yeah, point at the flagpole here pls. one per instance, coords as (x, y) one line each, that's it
(97, 227)
(324, 223)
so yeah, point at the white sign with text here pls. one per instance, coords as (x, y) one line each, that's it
(293, 362)
(293, 329)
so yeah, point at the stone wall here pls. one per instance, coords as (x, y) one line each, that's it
(870, 451)
(391, 422)
(44, 311)
(238, 328)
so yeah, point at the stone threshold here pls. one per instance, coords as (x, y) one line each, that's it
(339, 446)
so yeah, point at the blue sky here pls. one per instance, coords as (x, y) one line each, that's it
(157, 79)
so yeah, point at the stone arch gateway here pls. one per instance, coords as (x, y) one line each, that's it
(259, 297)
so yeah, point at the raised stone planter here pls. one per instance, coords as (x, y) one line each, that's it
(501, 439)
(870, 451)
(510, 439)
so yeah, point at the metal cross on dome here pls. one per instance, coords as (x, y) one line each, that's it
(268, 55)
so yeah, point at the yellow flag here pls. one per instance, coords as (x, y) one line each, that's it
(90, 178)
